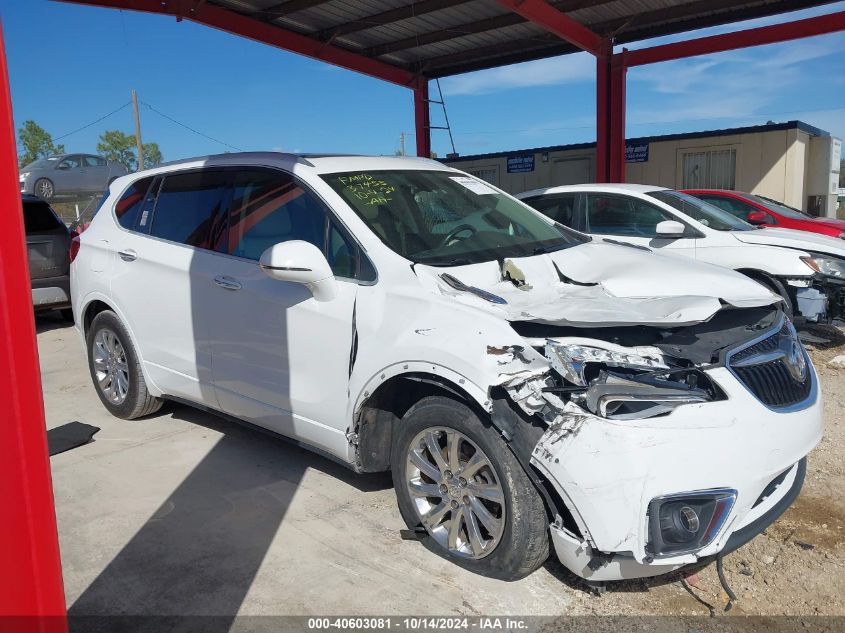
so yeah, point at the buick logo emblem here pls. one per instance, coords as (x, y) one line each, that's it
(795, 361)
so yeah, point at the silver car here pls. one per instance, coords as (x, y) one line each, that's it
(69, 175)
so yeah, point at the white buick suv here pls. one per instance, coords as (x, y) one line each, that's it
(529, 387)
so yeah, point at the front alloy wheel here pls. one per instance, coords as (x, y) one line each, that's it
(460, 485)
(456, 491)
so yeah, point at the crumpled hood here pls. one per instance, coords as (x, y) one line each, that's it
(801, 240)
(598, 284)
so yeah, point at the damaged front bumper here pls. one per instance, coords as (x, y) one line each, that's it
(818, 299)
(607, 472)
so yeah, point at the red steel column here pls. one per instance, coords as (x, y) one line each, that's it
(30, 567)
(422, 119)
(616, 157)
(603, 113)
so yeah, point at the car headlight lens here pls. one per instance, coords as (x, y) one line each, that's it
(828, 266)
(686, 522)
(24, 175)
(570, 360)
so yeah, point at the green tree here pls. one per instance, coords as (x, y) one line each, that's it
(152, 155)
(37, 143)
(115, 145)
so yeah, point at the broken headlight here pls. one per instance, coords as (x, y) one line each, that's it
(638, 397)
(571, 359)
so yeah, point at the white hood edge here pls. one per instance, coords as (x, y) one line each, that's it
(605, 285)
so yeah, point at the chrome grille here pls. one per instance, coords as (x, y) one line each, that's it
(771, 368)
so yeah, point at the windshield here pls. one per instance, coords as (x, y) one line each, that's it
(778, 207)
(703, 212)
(41, 163)
(444, 218)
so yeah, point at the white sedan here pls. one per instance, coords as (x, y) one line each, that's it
(806, 269)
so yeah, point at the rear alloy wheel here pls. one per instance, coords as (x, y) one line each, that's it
(116, 371)
(43, 188)
(455, 477)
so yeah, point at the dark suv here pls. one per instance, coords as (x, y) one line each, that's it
(48, 243)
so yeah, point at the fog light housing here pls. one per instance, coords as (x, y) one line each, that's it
(688, 521)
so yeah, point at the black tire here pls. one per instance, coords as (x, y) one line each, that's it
(67, 314)
(524, 542)
(44, 189)
(138, 401)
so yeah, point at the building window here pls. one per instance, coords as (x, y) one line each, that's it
(490, 174)
(715, 169)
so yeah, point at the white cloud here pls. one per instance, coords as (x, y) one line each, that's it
(578, 67)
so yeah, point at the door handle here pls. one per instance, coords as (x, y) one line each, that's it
(128, 255)
(228, 283)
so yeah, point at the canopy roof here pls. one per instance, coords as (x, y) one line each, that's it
(435, 38)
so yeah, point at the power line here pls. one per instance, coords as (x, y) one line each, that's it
(102, 118)
(188, 127)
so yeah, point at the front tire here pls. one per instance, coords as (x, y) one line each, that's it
(44, 189)
(455, 476)
(115, 369)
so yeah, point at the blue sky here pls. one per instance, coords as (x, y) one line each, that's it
(70, 65)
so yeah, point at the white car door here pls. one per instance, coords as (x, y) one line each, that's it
(280, 357)
(162, 263)
(633, 220)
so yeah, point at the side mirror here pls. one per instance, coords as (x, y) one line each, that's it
(302, 263)
(756, 217)
(670, 229)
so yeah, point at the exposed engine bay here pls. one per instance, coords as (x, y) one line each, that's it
(633, 372)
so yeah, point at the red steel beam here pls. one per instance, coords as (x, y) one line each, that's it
(554, 21)
(32, 598)
(422, 119)
(603, 115)
(773, 34)
(254, 29)
(616, 143)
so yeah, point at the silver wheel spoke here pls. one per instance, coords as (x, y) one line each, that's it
(474, 534)
(434, 448)
(490, 522)
(455, 528)
(476, 462)
(453, 447)
(487, 491)
(420, 489)
(433, 518)
(426, 467)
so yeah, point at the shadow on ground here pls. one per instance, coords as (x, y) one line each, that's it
(200, 551)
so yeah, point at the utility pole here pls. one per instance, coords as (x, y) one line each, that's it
(138, 131)
(401, 143)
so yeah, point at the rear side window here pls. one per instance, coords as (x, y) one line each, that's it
(559, 207)
(189, 209)
(269, 207)
(130, 203)
(38, 217)
(621, 215)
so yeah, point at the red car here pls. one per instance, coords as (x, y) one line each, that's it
(767, 212)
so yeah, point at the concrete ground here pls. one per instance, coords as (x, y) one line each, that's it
(185, 513)
(188, 514)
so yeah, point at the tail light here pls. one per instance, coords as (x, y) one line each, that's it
(74, 247)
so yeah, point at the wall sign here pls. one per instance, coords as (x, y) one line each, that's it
(520, 163)
(636, 153)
